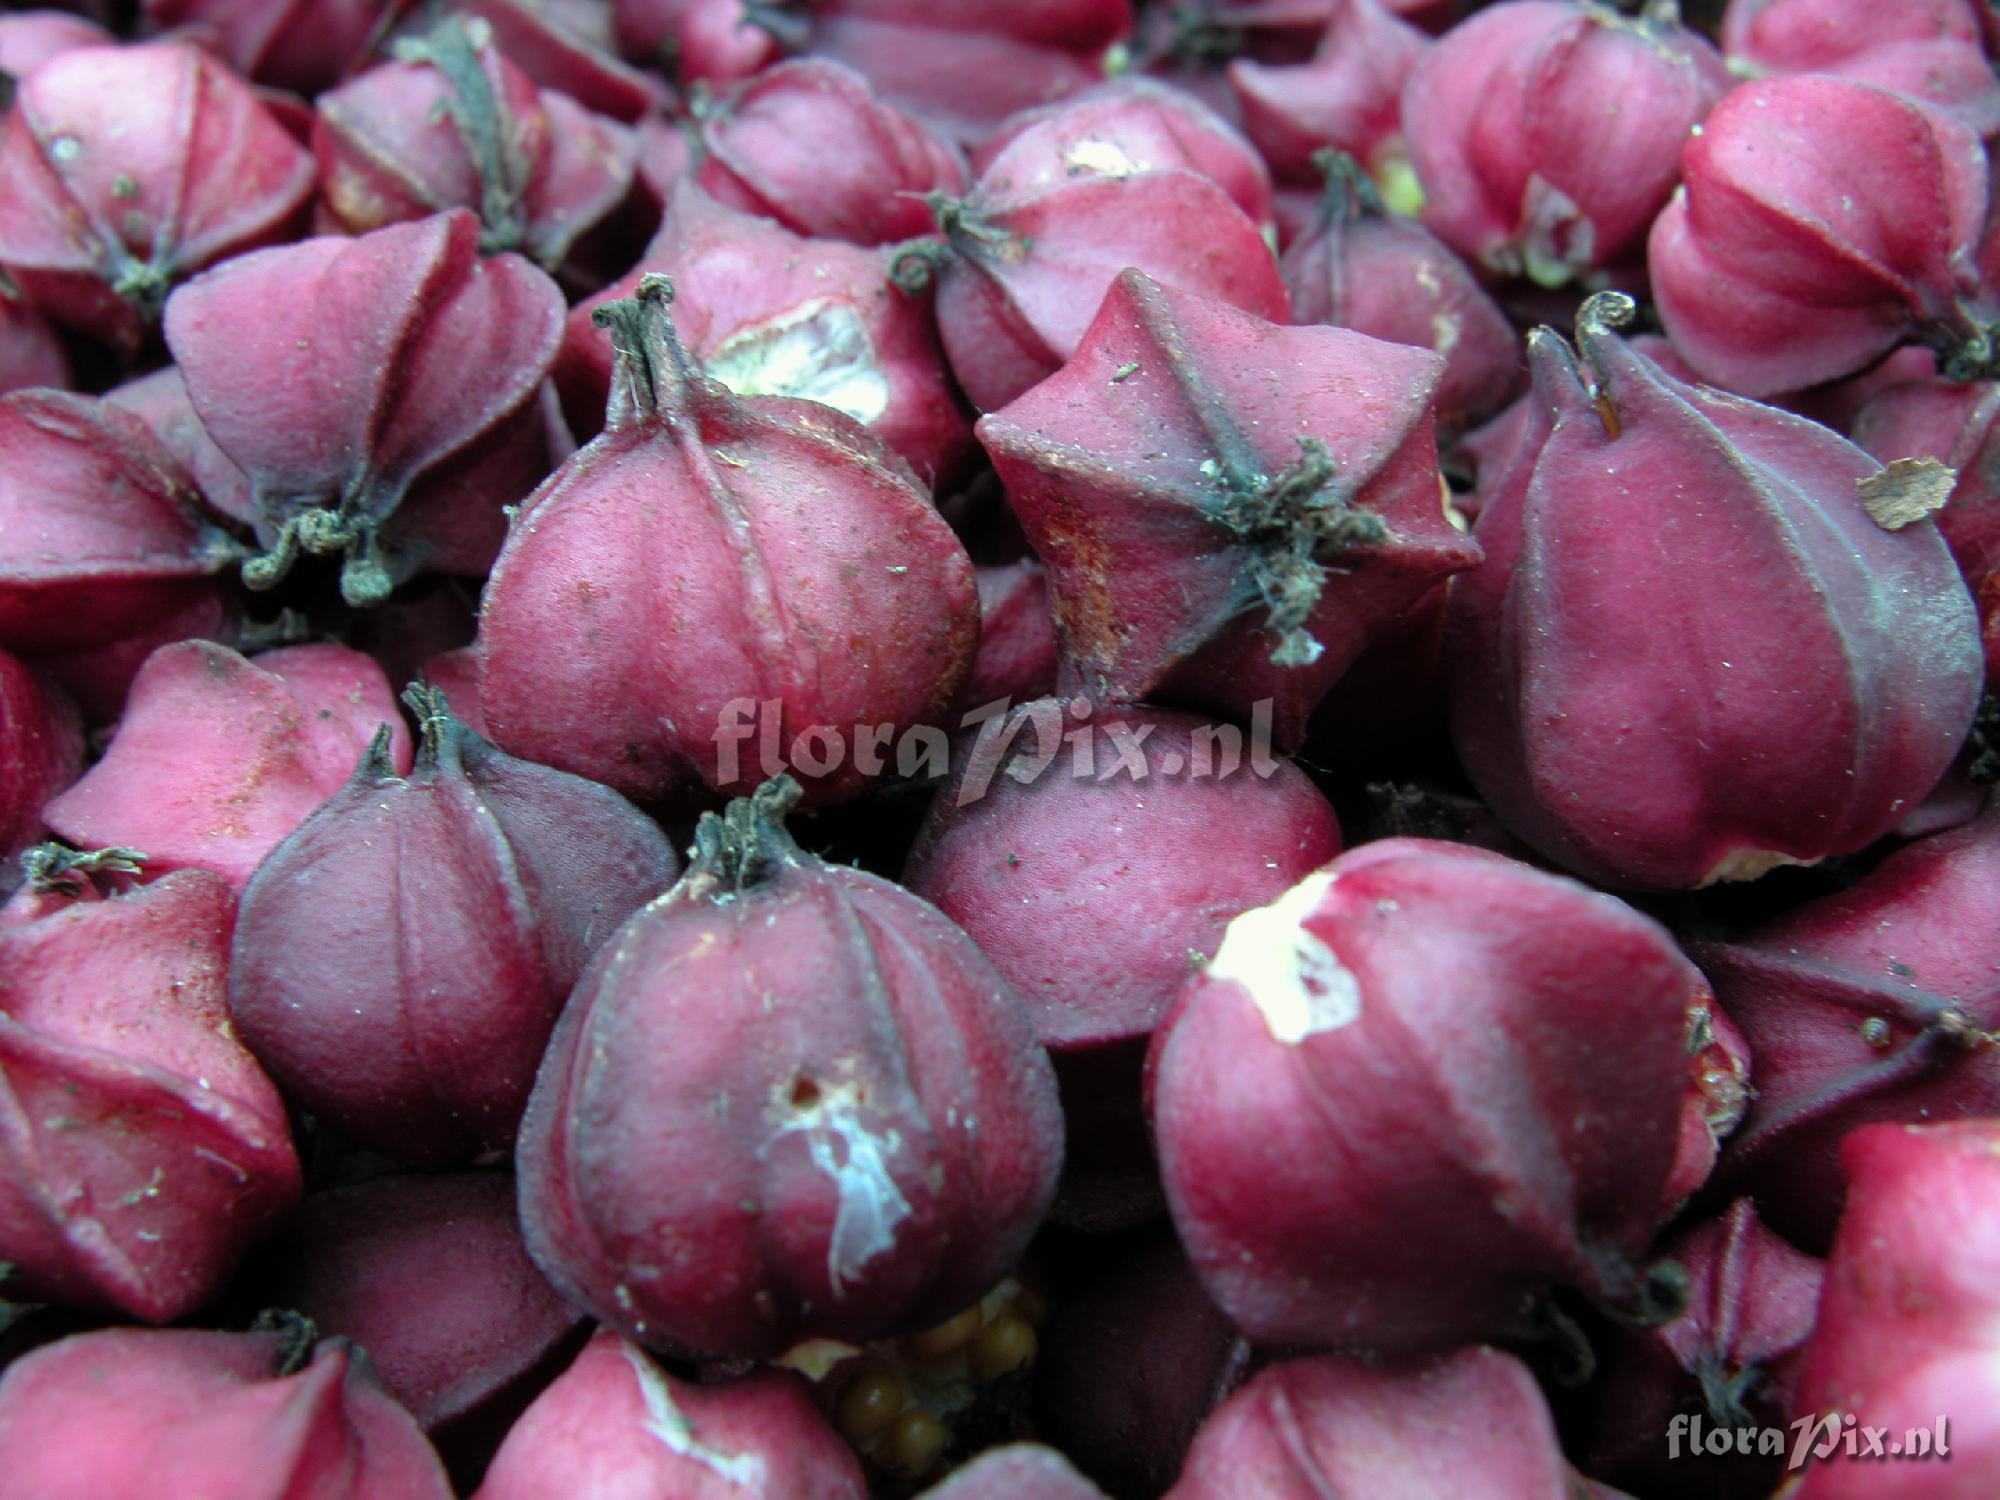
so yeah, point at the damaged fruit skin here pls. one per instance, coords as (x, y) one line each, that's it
(1820, 223)
(332, 372)
(1392, 1054)
(1672, 759)
(1904, 1339)
(1229, 510)
(211, 1414)
(142, 1149)
(890, 1139)
(1469, 1426)
(126, 169)
(254, 747)
(1878, 1002)
(616, 1426)
(402, 956)
(1547, 134)
(711, 559)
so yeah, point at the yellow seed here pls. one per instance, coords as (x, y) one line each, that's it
(914, 1444)
(1006, 1344)
(947, 1338)
(867, 1406)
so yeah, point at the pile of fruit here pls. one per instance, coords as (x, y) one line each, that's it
(1005, 749)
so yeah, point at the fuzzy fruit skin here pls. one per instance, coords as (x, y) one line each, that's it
(41, 754)
(1402, 1051)
(1959, 426)
(1547, 134)
(303, 46)
(1905, 1316)
(1871, 200)
(1119, 128)
(1730, 1355)
(763, 552)
(1821, 672)
(1023, 275)
(1875, 1003)
(102, 532)
(332, 372)
(142, 1149)
(1016, 1471)
(454, 124)
(769, 313)
(1141, 473)
(402, 956)
(1470, 1426)
(254, 747)
(125, 169)
(1928, 49)
(220, 1415)
(616, 1426)
(825, 1005)
(427, 1272)
(1363, 268)
(807, 143)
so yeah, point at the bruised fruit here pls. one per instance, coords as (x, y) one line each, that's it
(1230, 510)
(1820, 223)
(220, 756)
(333, 372)
(1546, 134)
(716, 570)
(788, 1099)
(402, 956)
(1822, 664)
(1470, 1426)
(1878, 1002)
(616, 1425)
(124, 170)
(196, 1413)
(142, 1150)
(1423, 1044)
(451, 123)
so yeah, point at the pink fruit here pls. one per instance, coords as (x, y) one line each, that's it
(807, 143)
(565, 46)
(1348, 97)
(221, 1414)
(1019, 277)
(426, 1271)
(1953, 425)
(1820, 223)
(892, 1136)
(454, 124)
(331, 372)
(1229, 510)
(713, 42)
(41, 752)
(160, 400)
(30, 352)
(1117, 129)
(142, 1150)
(1875, 1003)
(705, 574)
(219, 757)
(1016, 1471)
(1903, 1343)
(29, 38)
(1670, 759)
(768, 313)
(300, 45)
(1470, 1426)
(1017, 639)
(403, 955)
(1363, 268)
(99, 677)
(123, 170)
(1547, 133)
(102, 532)
(1928, 49)
(1728, 1358)
(618, 1427)
(1383, 1058)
